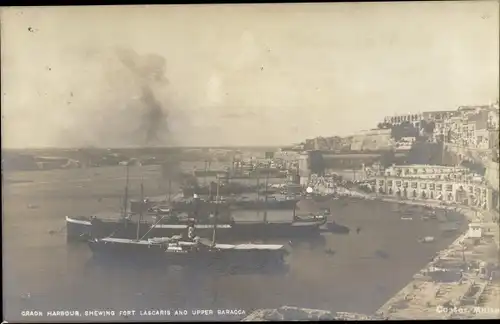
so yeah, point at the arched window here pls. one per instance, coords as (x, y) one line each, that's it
(432, 195)
(414, 194)
(381, 190)
(423, 195)
(390, 191)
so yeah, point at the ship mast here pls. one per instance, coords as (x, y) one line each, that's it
(205, 174)
(169, 191)
(141, 210)
(265, 193)
(125, 200)
(216, 212)
(257, 173)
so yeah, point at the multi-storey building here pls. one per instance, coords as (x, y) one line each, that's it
(470, 129)
(439, 116)
(493, 118)
(462, 193)
(420, 170)
(434, 183)
(415, 119)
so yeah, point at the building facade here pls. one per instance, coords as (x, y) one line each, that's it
(414, 119)
(461, 193)
(422, 170)
(439, 116)
(493, 118)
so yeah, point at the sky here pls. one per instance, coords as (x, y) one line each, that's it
(270, 74)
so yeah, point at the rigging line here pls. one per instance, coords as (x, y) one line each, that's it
(153, 226)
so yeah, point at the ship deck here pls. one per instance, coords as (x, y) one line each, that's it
(239, 216)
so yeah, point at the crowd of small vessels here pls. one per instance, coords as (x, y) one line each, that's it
(188, 228)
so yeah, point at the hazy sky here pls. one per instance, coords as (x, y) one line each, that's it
(241, 74)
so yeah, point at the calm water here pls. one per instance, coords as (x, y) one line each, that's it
(352, 272)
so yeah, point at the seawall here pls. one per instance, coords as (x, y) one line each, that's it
(429, 299)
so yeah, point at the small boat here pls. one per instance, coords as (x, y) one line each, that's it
(427, 239)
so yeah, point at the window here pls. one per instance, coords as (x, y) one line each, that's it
(439, 187)
(449, 187)
(431, 186)
(423, 186)
(414, 185)
(405, 184)
(398, 183)
(389, 183)
(381, 182)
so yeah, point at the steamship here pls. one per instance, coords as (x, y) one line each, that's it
(165, 220)
(193, 251)
(199, 252)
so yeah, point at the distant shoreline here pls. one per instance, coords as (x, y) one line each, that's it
(246, 147)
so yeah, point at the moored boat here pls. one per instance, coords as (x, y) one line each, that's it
(81, 228)
(193, 251)
(197, 253)
(165, 221)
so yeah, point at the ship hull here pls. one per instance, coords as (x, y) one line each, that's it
(78, 230)
(145, 254)
(253, 205)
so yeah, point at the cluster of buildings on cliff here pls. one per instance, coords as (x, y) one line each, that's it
(474, 127)
(469, 126)
(405, 156)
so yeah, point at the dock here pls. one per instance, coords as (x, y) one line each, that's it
(472, 294)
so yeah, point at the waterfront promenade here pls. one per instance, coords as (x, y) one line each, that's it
(472, 296)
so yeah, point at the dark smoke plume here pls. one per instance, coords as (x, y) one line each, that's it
(149, 70)
(155, 119)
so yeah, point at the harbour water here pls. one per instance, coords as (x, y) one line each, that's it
(354, 272)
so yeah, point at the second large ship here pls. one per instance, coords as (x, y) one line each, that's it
(257, 215)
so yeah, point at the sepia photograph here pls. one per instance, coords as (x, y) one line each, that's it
(250, 162)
